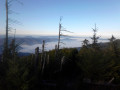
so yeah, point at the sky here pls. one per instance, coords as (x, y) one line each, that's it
(41, 17)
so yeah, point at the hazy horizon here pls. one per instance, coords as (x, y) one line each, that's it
(33, 35)
(29, 43)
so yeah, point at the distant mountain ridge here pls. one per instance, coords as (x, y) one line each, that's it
(29, 40)
(33, 42)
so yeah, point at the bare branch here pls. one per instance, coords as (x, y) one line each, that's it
(67, 31)
(63, 35)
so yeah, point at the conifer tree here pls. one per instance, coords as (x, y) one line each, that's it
(114, 46)
(85, 43)
(95, 38)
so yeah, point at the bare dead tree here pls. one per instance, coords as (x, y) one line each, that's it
(62, 60)
(43, 57)
(44, 62)
(60, 33)
(59, 59)
(8, 4)
(36, 57)
(6, 40)
(43, 47)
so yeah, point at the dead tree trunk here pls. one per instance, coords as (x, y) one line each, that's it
(36, 57)
(59, 35)
(43, 48)
(62, 61)
(6, 38)
(43, 57)
(61, 28)
(44, 62)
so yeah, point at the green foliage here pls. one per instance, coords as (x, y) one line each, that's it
(20, 73)
(98, 65)
(17, 75)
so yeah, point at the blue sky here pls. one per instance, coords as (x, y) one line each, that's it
(41, 17)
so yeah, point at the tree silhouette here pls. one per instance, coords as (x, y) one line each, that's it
(95, 38)
(85, 43)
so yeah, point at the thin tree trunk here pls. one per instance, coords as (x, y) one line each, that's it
(59, 36)
(36, 57)
(6, 40)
